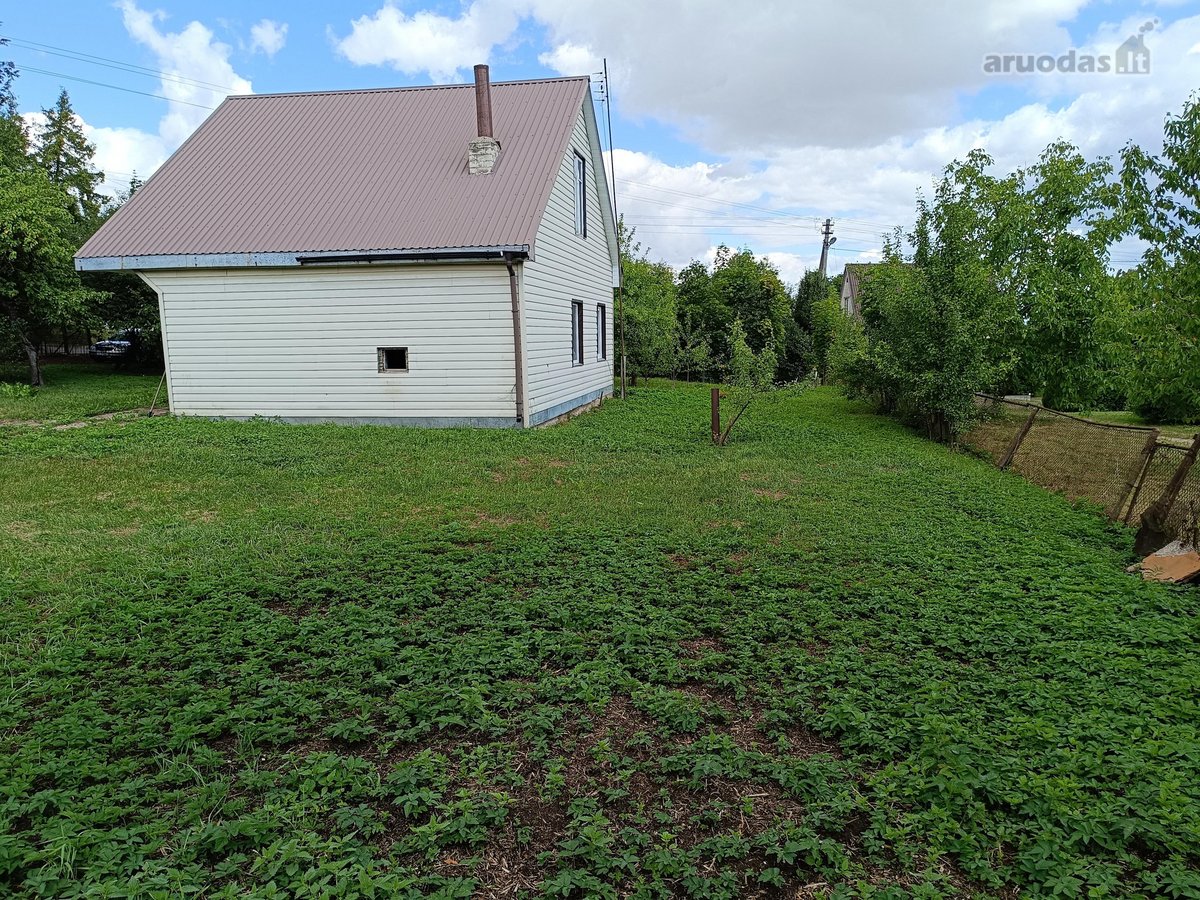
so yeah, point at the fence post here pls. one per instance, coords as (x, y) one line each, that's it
(1152, 534)
(1133, 485)
(1152, 447)
(1018, 439)
(716, 415)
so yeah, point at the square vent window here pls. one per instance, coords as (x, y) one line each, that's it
(393, 359)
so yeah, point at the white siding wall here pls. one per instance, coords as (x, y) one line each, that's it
(567, 267)
(301, 343)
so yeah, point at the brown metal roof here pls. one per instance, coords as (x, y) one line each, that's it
(351, 171)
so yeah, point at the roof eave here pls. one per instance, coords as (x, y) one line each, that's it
(293, 259)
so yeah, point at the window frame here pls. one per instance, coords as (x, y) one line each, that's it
(601, 331)
(576, 332)
(381, 360)
(580, 196)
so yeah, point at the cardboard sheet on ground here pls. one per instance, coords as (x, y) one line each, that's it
(1174, 563)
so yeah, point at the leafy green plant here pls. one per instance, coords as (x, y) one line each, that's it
(750, 375)
(16, 391)
(617, 661)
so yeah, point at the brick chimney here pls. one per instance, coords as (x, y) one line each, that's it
(484, 150)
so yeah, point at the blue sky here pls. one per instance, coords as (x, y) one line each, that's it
(737, 124)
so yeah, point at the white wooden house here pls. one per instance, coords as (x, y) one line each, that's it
(382, 256)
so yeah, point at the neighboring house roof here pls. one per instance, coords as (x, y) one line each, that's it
(351, 171)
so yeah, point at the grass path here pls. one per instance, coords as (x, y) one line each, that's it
(605, 659)
(73, 392)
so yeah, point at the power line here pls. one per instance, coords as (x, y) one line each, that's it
(717, 221)
(774, 212)
(115, 87)
(775, 237)
(105, 61)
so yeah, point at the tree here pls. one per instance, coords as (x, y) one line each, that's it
(1063, 290)
(795, 353)
(940, 329)
(749, 287)
(37, 280)
(695, 355)
(651, 331)
(64, 152)
(847, 351)
(1162, 196)
(812, 289)
(703, 308)
(13, 140)
(751, 373)
(826, 318)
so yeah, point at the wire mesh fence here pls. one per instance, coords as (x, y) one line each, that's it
(1129, 470)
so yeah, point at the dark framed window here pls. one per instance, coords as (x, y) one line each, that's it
(577, 332)
(393, 359)
(601, 332)
(580, 196)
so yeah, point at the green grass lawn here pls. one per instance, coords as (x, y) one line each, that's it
(604, 659)
(74, 391)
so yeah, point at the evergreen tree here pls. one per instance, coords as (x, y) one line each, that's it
(66, 154)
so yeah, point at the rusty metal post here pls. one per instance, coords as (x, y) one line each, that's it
(1133, 486)
(483, 102)
(1018, 439)
(716, 415)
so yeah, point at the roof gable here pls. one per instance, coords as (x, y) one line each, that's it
(351, 171)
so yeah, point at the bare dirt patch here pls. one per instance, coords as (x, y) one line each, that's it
(770, 495)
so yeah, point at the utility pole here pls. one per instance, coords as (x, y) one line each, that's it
(612, 162)
(827, 241)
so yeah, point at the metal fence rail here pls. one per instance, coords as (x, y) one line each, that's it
(1133, 472)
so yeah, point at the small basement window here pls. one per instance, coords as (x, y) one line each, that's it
(393, 359)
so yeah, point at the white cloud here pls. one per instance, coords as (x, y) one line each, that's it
(124, 152)
(268, 37)
(571, 59)
(870, 186)
(427, 41)
(198, 74)
(741, 76)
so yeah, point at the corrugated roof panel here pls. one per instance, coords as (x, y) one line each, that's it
(351, 171)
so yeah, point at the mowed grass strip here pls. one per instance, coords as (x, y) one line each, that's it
(74, 391)
(604, 659)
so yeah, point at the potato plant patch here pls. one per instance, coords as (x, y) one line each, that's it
(606, 659)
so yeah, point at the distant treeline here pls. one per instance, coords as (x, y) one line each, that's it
(1005, 284)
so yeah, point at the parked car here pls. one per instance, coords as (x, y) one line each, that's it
(115, 348)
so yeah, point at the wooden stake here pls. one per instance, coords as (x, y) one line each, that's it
(1019, 439)
(1152, 534)
(1134, 485)
(716, 415)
